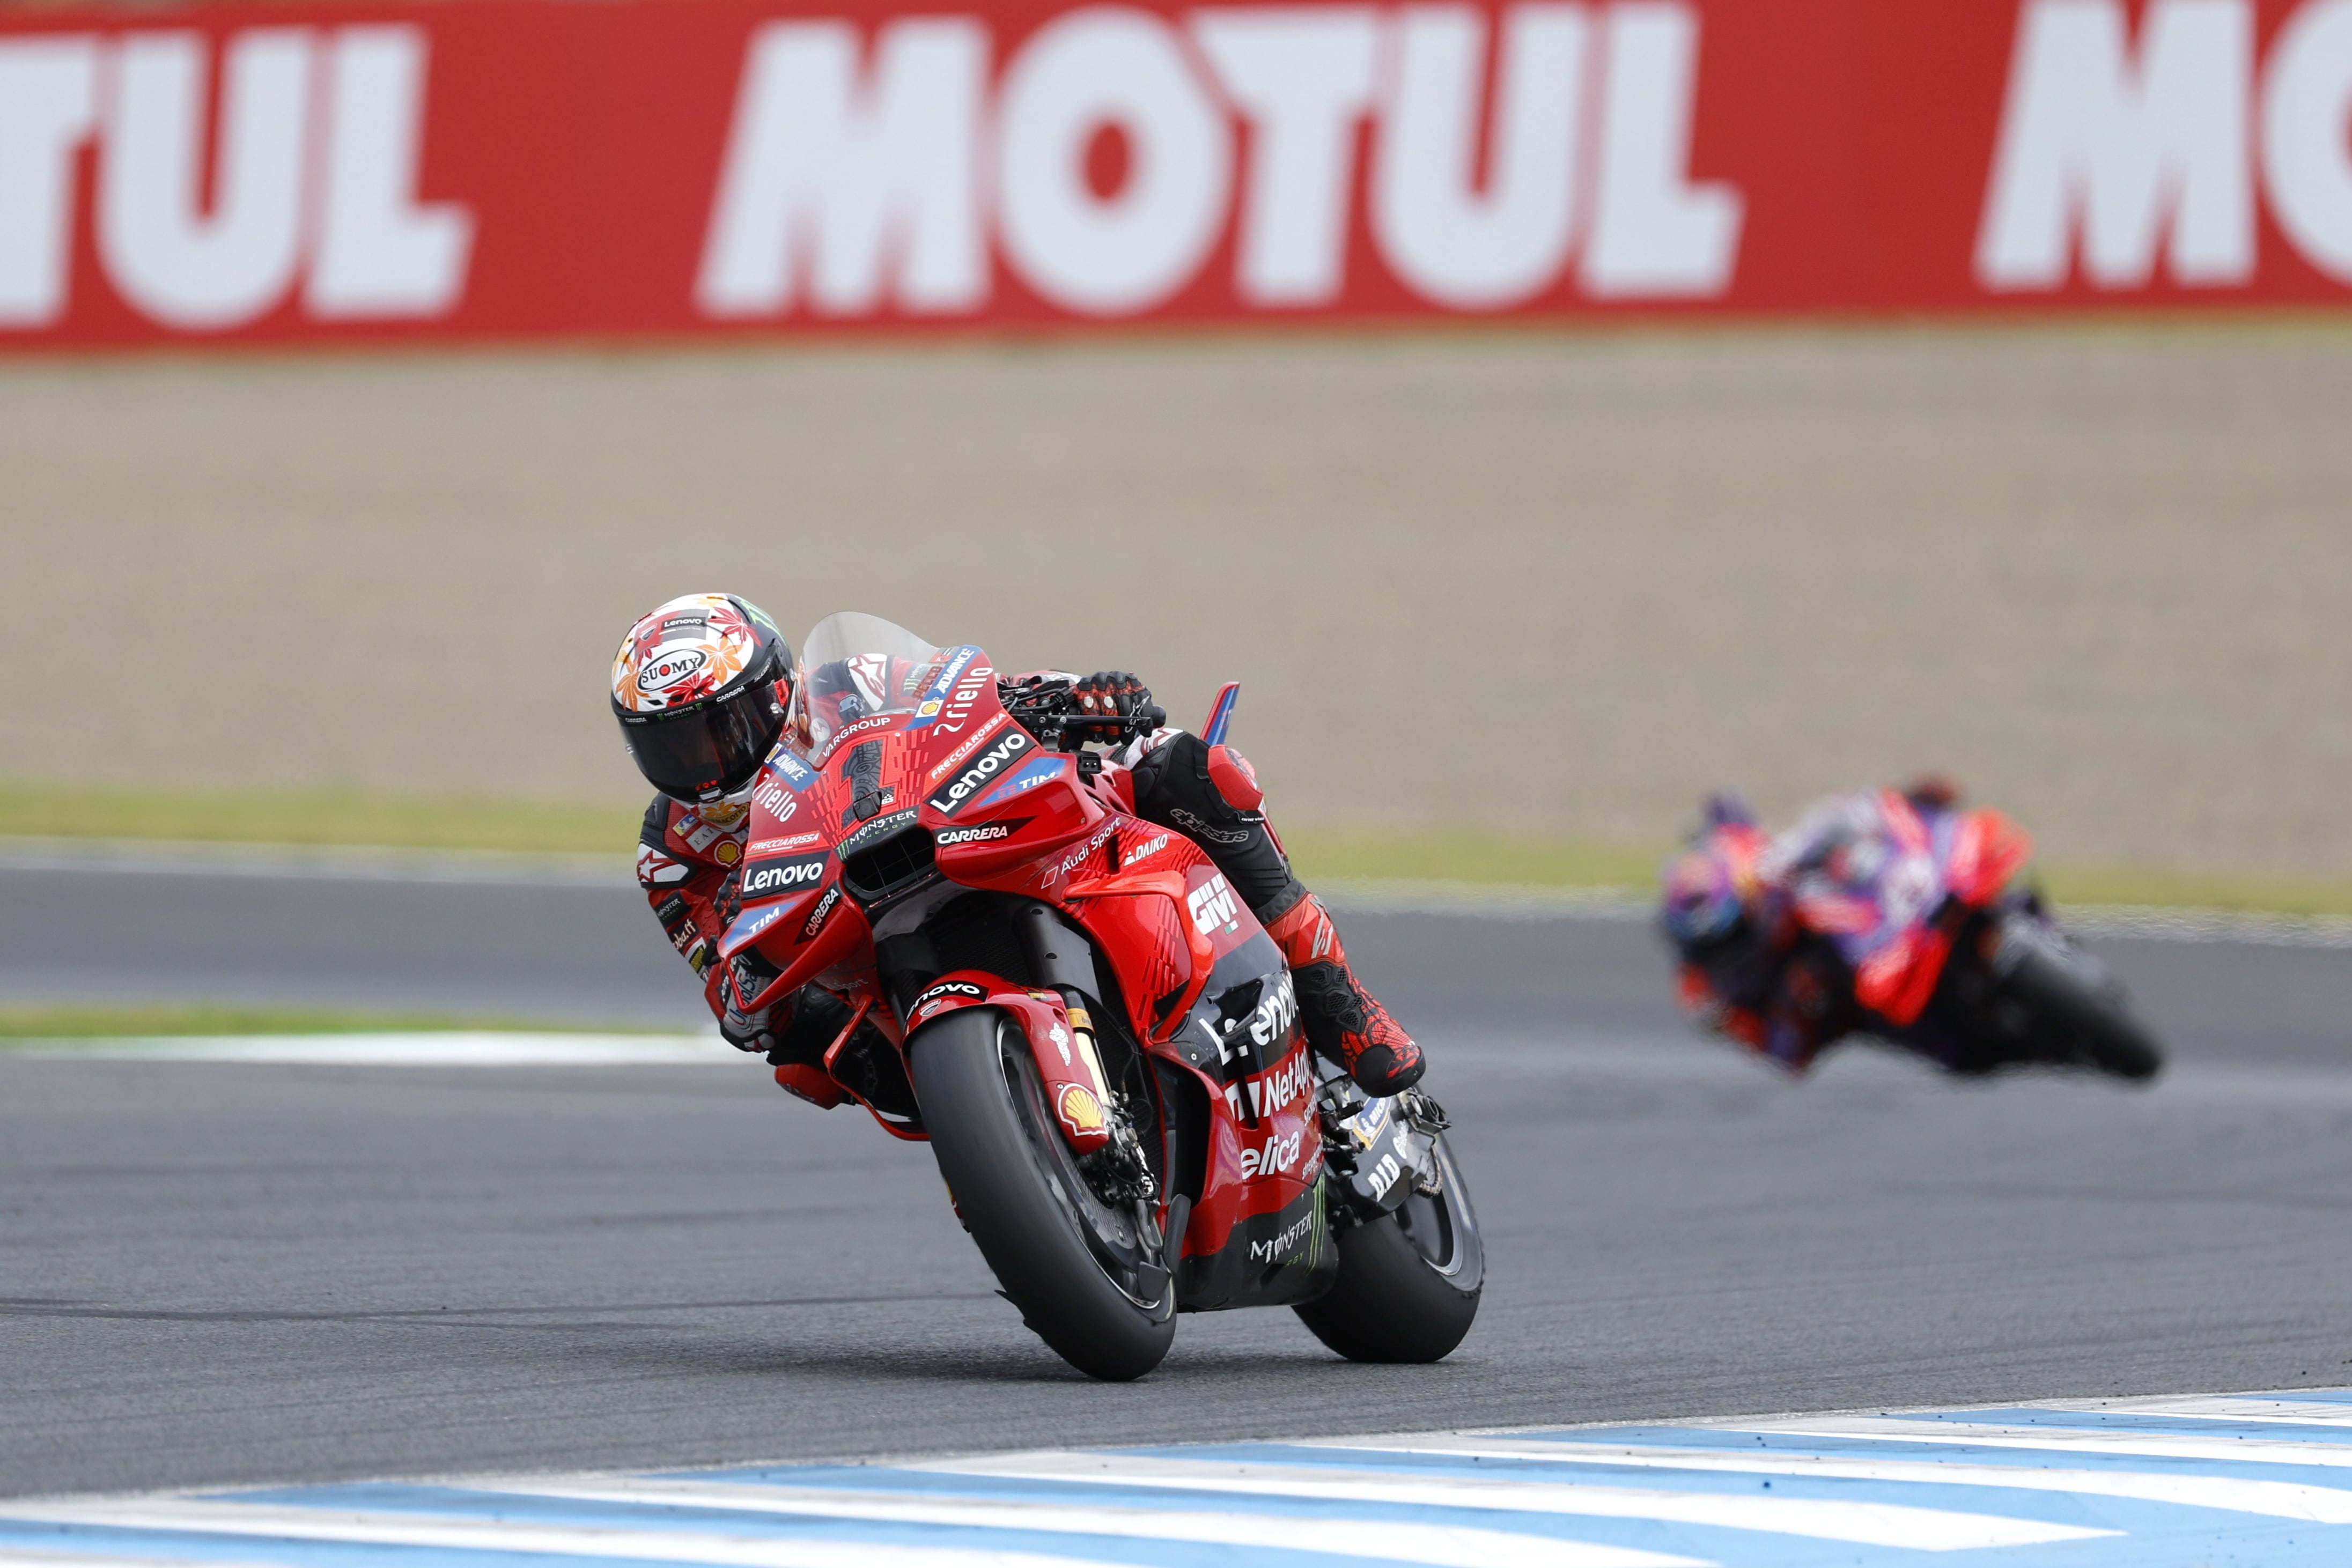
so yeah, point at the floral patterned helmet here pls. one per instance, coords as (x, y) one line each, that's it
(700, 687)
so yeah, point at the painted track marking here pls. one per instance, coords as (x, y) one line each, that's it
(2120, 1484)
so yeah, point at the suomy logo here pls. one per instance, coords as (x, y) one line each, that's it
(670, 669)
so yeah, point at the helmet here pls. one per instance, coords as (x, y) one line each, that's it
(1707, 886)
(700, 686)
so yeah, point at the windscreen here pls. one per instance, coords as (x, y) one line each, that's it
(854, 667)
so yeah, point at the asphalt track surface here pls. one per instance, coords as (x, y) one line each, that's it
(212, 1274)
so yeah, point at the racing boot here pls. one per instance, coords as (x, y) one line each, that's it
(1343, 1022)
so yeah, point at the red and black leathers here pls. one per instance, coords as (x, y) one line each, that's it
(687, 865)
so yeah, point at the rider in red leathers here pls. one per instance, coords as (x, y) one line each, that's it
(688, 734)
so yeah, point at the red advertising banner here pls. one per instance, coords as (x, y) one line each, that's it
(524, 168)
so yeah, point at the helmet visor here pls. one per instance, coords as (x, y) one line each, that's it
(711, 749)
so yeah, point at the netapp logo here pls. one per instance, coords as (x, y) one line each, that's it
(763, 879)
(984, 766)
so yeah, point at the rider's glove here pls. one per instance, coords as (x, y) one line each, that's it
(747, 1031)
(1121, 700)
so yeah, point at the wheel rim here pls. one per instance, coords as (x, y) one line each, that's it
(1436, 1227)
(1110, 1232)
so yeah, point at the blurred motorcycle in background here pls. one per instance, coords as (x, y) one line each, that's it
(1894, 914)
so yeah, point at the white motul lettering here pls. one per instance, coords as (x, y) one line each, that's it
(381, 253)
(1303, 79)
(2306, 158)
(2091, 140)
(1115, 253)
(1656, 235)
(1447, 239)
(48, 101)
(871, 184)
(170, 258)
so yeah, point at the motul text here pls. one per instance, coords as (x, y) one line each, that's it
(700, 166)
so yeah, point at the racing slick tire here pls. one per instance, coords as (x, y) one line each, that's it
(2067, 1017)
(1408, 1282)
(1085, 1280)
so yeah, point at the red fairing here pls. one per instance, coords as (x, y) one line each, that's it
(1072, 1078)
(949, 790)
(1987, 851)
(684, 169)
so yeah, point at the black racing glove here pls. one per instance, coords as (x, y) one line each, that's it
(1119, 705)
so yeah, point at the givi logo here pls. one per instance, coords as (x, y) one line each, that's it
(854, 176)
(310, 140)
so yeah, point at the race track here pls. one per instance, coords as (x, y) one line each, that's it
(221, 1274)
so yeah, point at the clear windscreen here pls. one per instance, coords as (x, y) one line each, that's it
(854, 667)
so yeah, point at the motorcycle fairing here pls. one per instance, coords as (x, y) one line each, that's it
(1073, 1080)
(1876, 892)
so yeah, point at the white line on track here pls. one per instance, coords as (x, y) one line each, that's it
(270, 1524)
(2283, 1412)
(2278, 1500)
(1863, 1523)
(453, 1048)
(1448, 1547)
(2075, 1439)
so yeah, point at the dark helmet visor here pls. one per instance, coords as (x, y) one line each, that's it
(712, 747)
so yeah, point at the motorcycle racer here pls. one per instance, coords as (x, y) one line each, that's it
(705, 680)
(1750, 969)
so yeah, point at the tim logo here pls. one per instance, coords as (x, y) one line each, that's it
(1214, 907)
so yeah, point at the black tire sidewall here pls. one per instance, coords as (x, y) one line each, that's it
(982, 1144)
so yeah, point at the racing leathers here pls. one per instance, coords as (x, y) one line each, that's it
(1769, 981)
(687, 856)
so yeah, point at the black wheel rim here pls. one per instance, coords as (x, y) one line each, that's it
(1109, 1230)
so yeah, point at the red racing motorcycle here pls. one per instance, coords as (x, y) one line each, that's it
(1074, 1008)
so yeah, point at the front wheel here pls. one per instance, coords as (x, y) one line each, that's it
(1085, 1275)
(1408, 1282)
(2023, 993)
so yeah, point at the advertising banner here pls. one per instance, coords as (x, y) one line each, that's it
(689, 168)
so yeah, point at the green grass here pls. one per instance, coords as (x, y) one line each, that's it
(342, 817)
(351, 818)
(76, 1020)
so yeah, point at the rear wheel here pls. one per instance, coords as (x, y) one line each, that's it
(2019, 991)
(1408, 1282)
(2066, 1016)
(1085, 1275)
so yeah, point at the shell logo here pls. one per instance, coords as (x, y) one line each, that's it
(1079, 1111)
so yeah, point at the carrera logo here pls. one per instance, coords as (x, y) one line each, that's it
(764, 878)
(984, 766)
(946, 836)
(823, 911)
(671, 669)
(949, 763)
(775, 846)
(1214, 906)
